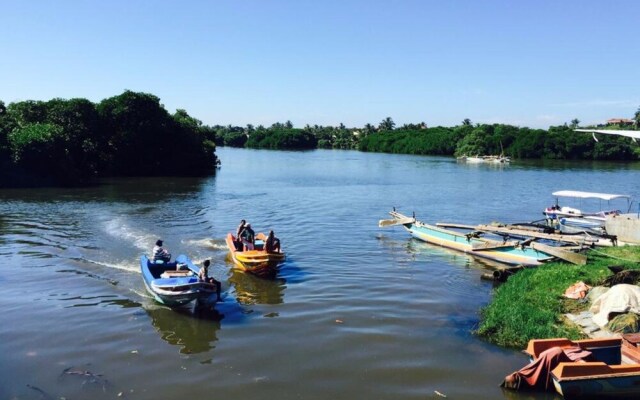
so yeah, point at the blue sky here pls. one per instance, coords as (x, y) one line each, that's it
(527, 63)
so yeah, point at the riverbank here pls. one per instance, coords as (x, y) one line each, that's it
(530, 304)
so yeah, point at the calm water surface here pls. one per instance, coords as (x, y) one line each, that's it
(355, 312)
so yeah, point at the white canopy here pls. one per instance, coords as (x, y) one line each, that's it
(589, 195)
(632, 134)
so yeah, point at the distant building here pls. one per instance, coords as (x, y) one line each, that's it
(620, 121)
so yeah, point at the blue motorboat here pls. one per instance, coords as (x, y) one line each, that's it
(175, 283)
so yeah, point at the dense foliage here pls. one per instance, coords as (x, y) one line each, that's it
(73, 141)
(558, 142)
(283, 138)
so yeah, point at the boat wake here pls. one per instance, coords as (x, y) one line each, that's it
(143, 294)
(122, 266)
(216, 244)
(119, 229)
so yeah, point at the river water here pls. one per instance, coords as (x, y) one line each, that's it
(355, 311)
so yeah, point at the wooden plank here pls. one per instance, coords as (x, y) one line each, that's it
(491, 245)
(455, 226)
(574, 258)
(396, 221)
(524, 232)
(578, 240)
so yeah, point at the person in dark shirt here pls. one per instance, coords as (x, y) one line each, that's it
(272, 243)
(203, 276)
(248, 237)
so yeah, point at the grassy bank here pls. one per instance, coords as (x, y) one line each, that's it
(530, 304)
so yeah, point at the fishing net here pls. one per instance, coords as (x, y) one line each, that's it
(624, 323)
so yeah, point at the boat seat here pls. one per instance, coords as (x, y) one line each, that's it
(175, 274)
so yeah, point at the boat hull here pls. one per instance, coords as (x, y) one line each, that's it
(606, 386)
(513, 255)
(612, 371)
(174, 291)
(257, 262)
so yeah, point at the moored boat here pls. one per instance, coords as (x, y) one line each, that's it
(501, 159)
(606, 367)
(174, 283)
(569, 219)
(257, 261)
(508, 252)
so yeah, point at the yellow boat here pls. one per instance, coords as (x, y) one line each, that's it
(258, 261)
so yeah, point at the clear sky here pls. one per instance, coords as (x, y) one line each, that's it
(529, 63)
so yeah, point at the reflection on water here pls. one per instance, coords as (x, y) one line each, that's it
(128, 190)
(92, 301)
(90, 275)
(414, 250)
(193, 330)
(250, 289)
(450, 256)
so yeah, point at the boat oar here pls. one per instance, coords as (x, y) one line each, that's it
(574, 258)
(392, 222)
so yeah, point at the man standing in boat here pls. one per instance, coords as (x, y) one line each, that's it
(203, 276)
(240, 229)
(248, 237)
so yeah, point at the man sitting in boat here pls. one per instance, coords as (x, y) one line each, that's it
(248, 237)
(203, 276)
(160, 253)
(272, 243)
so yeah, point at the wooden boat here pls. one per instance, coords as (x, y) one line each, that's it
(524, 253)
(174, 283)
(258, 261)
(613, 372)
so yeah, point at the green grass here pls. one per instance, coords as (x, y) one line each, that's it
(530, 304)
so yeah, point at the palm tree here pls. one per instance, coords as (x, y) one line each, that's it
(369, 129)
(574, 123)
(386, 124)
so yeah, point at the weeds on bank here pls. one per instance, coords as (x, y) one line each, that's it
(530, 304)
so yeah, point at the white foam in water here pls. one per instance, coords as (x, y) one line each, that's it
(123, 266)
(207, 243)
(117, 228)
(142, 294)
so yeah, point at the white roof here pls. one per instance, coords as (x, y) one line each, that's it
(589, 195)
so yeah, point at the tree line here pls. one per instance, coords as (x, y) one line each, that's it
(71, 142)
(557, 142)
